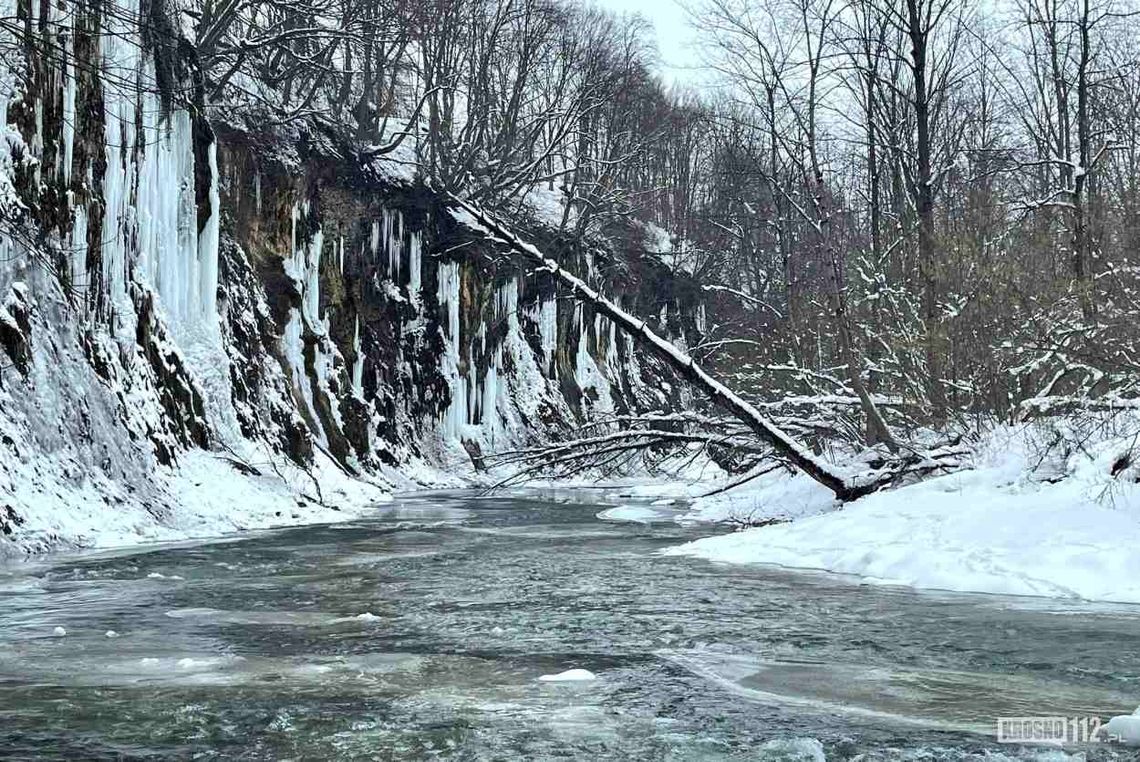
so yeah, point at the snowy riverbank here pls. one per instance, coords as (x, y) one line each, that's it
(1028, 520)
(203, 495)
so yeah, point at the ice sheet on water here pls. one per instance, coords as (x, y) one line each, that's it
(792, 750)
(569, 676)
(638, 514)
(934, 698)
(269, 618)
(440, 511)
(137, 660)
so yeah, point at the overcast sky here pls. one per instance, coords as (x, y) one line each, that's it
(679, 60)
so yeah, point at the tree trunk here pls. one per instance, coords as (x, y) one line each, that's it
(877, 430)
(845, 487)
(924, 205)
(1082, 242)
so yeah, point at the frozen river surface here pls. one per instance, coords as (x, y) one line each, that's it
(423, 634)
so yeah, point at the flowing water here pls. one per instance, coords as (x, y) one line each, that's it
(422, 634)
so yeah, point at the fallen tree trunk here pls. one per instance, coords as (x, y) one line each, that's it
(845, 486)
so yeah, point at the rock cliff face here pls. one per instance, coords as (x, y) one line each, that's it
(186, 302)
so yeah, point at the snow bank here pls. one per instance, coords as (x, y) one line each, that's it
(777, 495)
(1124, 729)
(993, 529)
(205, 496)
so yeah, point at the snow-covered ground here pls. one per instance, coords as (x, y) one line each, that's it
(1124, 729)
(1016, 524)
(205, 497)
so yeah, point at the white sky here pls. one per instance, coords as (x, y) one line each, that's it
(675, 38)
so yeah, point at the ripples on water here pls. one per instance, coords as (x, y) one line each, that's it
(422, 634)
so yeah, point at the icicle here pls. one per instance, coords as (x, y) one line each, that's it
(293, 346)
(458, 413)
(313, 276)
(304, 267)
(582, 360)
(69, 85)
(548, 330)
(611, 346)
(587, 374)
(78, 246)
(415, 255)
(399, 248)
(490, 394)
(37, 146)
(473, 396)
(293, 215)
(358, 363)
(167, 212)
(119, 53)
(393, 241)
(511, 299)
(208, 244)
(453, 304)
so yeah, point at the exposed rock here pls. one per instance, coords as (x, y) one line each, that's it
(16, 327)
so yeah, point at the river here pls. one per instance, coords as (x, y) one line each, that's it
(422, 632)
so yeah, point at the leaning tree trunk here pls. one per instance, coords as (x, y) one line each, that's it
(845, 487)
(877, 431)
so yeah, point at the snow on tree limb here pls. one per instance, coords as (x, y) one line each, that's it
(845, 486)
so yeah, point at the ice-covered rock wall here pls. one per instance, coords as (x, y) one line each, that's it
(109, 228)
(406, 336)
(188, 303)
